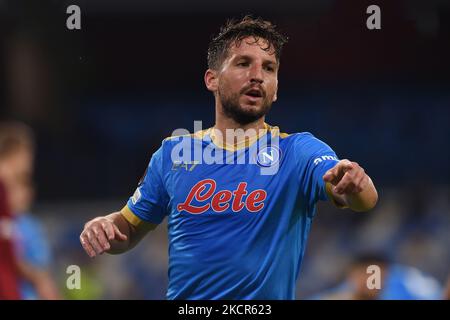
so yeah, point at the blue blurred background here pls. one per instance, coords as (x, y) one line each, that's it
(102, 98)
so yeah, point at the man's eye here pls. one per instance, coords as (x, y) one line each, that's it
(243, 64)
(270, 69)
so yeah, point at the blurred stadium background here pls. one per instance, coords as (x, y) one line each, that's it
(101, 99)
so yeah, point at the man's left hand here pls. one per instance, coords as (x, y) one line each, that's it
(347, 177)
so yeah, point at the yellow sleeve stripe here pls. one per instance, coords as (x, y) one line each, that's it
(328, 187)
(130, 216)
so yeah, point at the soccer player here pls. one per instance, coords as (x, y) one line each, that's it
(9, 271)
(237, 225)
(446, 294)
(396, 282)
(31, 256)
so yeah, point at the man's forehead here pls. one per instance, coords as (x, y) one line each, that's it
(250, 46)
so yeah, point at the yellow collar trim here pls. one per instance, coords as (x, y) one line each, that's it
(247, 141)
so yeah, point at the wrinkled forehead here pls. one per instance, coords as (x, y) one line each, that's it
(252, 46)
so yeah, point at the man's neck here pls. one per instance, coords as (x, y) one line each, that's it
(243, 132)
(223, 124)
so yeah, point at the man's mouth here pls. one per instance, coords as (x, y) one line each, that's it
(254, 93)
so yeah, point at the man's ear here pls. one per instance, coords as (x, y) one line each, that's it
(211, 80)
(275, 95)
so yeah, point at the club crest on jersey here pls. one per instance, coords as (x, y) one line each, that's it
(203, 197)
(268, 156)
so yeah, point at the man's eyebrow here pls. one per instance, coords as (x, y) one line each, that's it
(270, 62)
(242, 56)
(247, 57)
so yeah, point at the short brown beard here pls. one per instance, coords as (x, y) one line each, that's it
(233, 110)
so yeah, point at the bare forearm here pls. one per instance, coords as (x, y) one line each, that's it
(112, 234)
(364, 200)
(350, 187)
(109, 233)
(118, 247)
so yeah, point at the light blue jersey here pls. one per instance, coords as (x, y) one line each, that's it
(235, 231)
(33, 248)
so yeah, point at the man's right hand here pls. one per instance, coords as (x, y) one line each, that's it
(98, 234)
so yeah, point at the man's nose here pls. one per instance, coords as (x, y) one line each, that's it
(256, 74)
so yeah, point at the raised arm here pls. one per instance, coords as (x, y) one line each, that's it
(350, 187)
(112, 234)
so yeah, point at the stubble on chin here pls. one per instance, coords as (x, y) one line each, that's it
(232, 108)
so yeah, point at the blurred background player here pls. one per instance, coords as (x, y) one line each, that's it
(30, 243)
(398, 282)
(446, 294)
(9, 273)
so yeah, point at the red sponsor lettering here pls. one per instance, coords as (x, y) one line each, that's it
(196, 192)
(204, 192)
(255, 200)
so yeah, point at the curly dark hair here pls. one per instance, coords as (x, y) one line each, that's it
(236, 30)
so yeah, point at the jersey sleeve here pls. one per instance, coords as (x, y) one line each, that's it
(316, 158)
(149, 201)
